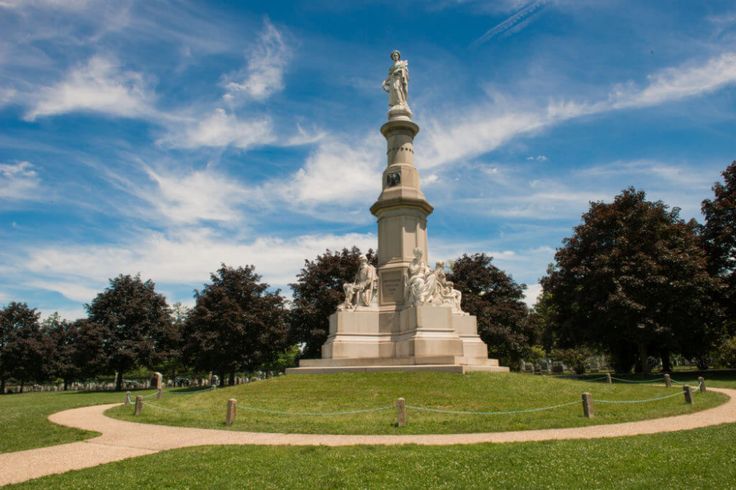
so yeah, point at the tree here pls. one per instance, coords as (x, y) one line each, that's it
(719, 236)
(21, 345)
(61, 339)
(235, 324)
(135, 321)
(632, 280)
(317, 293)
(497, 301)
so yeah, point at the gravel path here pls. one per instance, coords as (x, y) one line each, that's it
(122, 440)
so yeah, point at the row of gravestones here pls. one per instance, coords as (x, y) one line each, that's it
(155, 382)
(549, 366)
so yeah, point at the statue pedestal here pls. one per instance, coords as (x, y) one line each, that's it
(417, 338)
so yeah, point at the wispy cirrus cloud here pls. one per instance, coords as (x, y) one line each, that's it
(263, 74)
(220, 129)
(18, 181)
(473, 132)
(100, 85)
(202, 195)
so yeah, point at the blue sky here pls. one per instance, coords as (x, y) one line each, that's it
(164, 138)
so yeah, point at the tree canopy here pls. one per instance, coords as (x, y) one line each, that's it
(21, 344)
(136, 323)
(633, 280)
(498, 303)
(235, 324)
(719, 236)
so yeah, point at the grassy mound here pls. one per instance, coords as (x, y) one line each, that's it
(313, 403)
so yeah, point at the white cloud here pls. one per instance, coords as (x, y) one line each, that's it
(18, 181)
(264, 71)
(202, 195)
(70, 290)
(98, 86)
(334, 173)
(220, 129)
(473, 132)
(186, 257)
(531, 295)
(680, 82)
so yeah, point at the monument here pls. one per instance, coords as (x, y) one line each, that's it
(403, 315)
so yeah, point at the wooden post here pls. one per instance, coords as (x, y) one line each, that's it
(667, 381)
(158, 394)
(608, 378)
(701, 381)
(138, 405)
(587, 405)
(400, 412)
(128, 400)
(688, 394)
(232, 405)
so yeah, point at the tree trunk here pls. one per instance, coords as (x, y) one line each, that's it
(231, 378)
(21, 386)
(119, 380)
(222, 378)
(2, 386)
(66, 384)
(643, 366)
(666, 362)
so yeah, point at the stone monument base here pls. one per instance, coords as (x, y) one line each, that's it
(417, 338)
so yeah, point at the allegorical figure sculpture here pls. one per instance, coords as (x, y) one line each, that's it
(426, 286)
(361, 291)
(397, 83)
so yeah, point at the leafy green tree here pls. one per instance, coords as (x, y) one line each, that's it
(235, 324)
(61, 339)
(136, 322)
(317, 292)
(719, 236)
(498, 303)
(632, 280)
(21, 345)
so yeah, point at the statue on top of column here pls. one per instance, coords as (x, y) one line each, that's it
(397, 84)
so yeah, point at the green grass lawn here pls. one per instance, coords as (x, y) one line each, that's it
(702, 458)
(303, 396)
(24, 424)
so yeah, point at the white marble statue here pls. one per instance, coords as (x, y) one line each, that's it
(397, 83)
(362, 290)
(445, 293)
(426, 286)
(415, 281)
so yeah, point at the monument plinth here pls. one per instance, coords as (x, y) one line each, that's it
(404, 315)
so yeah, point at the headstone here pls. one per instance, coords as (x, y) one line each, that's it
(667, 381)
(608, 378)
(157, 381)
(701, 382)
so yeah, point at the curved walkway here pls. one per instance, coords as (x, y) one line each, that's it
(121, 439)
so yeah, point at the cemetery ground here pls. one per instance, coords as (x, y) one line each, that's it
(695, 458)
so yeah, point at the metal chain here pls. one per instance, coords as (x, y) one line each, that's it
(506, 412)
